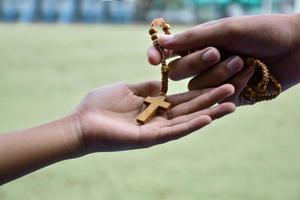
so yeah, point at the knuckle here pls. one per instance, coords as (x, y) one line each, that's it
(175, 71)
(221, 74)
(210, 97)
(183, 37)
(191, 64)
(232, 28)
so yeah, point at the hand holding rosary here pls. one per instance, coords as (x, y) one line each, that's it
(263, 86)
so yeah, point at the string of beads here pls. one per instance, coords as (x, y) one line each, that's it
(154, 37)
(257, 88)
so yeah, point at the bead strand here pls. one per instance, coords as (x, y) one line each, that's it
(260, 91)
(154, 37)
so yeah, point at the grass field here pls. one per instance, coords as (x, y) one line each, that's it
(46, 70)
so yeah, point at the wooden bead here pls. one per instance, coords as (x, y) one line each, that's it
(154, 37)
(253, 95)
(260, 91)
(155, 42)
(165, 69)
(166, 27)
(152, 31)
(278, 86)
(261, 87)
(168, 33)
(248, 90)
(250, 61)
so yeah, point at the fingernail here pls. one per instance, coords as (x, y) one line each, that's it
(235, 64)
(165, 39)
(211, 55)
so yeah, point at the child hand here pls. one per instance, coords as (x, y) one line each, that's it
(107, 116)
(106, 121)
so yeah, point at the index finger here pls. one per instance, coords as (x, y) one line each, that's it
(198, 37)
(194, 63)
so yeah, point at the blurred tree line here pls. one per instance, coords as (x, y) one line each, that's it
(124, 11)
(220, 7)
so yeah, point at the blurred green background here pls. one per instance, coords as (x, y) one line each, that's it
(45, 70)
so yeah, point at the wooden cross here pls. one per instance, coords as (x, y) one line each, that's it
(153, 103)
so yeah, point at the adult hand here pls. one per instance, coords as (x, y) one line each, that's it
(274, 39)
(107, 116)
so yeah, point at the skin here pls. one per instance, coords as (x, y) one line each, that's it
(105, 121)
(274, 39)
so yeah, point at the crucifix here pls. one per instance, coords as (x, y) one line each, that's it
(157, 103)
(153, 104)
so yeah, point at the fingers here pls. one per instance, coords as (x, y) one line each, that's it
(222, 34)
(180, 98)
(215, 112)
(220, 110)
(214, 22)
(239, 82)
(202, 102)
(218, 74)
(199, 37)
(228, 34)
(184, 125)
(144, 89)
(182, 129)
(194, 63)
(154, 57)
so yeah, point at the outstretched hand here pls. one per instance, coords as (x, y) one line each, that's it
(274, 39)
(108, 116)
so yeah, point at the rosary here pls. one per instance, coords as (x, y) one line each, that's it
(155, 103)
(257, 89)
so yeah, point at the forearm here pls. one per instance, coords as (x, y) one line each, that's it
(24, 151)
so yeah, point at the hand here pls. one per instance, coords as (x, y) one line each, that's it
(105, 121)
(107, 116)
(274, 39)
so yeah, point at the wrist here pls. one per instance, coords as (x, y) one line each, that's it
(72, 135)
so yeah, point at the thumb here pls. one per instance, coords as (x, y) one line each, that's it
(218, 35)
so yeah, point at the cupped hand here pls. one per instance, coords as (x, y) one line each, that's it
(274, 39)
(107, 116)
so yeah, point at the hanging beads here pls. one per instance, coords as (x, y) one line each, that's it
(154, 37)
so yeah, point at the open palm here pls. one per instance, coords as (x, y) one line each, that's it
(108, 115)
